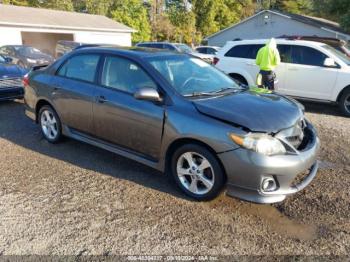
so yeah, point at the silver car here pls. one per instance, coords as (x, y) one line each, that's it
(180, 115)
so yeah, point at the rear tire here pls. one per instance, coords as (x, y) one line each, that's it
(344, 103)
(197, 172)
(50, 124)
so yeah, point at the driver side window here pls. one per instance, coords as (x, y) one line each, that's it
(125, 75)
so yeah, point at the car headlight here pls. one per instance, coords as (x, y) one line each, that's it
(32, 61)
(260, 143)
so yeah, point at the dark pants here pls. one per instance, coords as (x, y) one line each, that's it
(268, 79)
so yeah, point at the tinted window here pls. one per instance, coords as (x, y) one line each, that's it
(304, 55)
(212, 51)
(202, 50)
(82, 67)
(125, 75)
(244, 51)
(285, 53)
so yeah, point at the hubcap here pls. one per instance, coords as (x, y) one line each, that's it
(347, 103)
(49, 124)
(195, 173)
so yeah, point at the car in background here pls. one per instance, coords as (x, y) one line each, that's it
(209, 50)
(338, 44)
(26, 56)
(63, 47)
(11, 86)
(177, 114)
(177, 47)
(309, 70)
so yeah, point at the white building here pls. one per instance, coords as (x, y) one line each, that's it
(42, 28)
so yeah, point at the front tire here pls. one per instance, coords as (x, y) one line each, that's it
(197, 172)
(50, 124)
(344, 103)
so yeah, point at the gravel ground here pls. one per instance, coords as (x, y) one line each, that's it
(75, 199)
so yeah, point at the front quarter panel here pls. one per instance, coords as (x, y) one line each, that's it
(187, 123)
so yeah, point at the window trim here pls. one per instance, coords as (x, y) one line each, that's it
(101, 68)
(94, 82)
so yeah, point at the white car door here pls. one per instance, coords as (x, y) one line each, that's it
(306, 76)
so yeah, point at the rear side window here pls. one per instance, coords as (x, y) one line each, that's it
(81, 67)
(124, 75)
(244, 51)
(304, 55)
(202, 50)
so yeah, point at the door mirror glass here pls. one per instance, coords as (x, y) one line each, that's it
(329, 62)
(147, 93)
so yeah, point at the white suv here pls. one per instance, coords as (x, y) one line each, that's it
(309, 70)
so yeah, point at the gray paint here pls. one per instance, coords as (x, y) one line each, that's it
(144, 130)
(275, 26)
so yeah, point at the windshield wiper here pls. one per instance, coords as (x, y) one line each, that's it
(199, 94)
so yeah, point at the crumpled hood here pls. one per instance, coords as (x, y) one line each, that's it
(9, 70)
(258, 112)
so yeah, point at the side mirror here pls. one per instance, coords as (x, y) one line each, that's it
(329, 62)
(149, 94)
(8, 59)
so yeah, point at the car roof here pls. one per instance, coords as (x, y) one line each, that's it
(137, 52)
(278, 41)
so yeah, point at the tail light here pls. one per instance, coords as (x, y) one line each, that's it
(216, 60)
(25, 80)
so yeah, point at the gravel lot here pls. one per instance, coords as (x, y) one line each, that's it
(74, 199)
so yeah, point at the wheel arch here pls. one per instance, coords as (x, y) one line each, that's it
(183, 141)
(233, 75)
(42, 102)
(342, 92)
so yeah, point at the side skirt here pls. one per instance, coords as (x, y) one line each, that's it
(110, 147)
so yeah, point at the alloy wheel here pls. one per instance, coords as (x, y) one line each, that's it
(195, 173)
(49, 124)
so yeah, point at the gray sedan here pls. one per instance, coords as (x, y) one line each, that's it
(180, 115)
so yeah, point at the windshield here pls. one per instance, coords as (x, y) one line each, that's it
(29, 51)
(184, 48)
(338, 54)
(192, 76)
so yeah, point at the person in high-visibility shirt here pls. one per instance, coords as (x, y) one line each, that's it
(267, 59)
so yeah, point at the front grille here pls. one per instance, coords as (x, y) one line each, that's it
(11, 83)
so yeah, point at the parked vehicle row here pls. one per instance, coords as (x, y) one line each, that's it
(10, 79)
(179, 48)
(26, 56)
(308, 70)
(177, 113)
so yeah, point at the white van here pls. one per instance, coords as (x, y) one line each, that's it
(309, 70)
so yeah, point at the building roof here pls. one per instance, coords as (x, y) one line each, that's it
(52, 19)
(321, 23)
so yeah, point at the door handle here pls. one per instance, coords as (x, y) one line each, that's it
(250, 64)
(293, 69)
(101, 99)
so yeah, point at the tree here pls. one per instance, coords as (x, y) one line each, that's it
(14, 2)
(336, 10)
(65, 5)
(99, 7)
(134, 14)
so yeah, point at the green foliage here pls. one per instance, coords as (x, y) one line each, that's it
(336, 10)
(134, 14)
(65, 5)
(15, 2)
